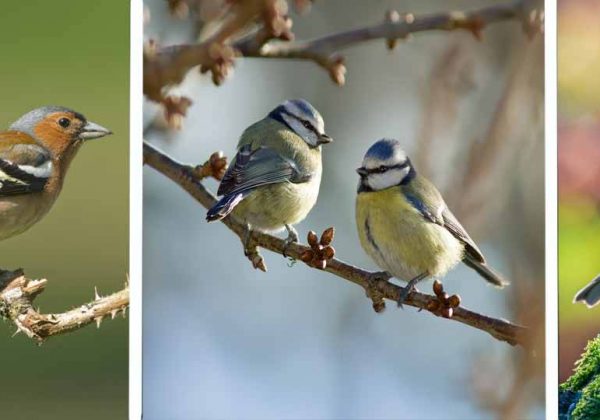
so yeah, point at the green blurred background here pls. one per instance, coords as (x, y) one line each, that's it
(579, 172)
(74, 54)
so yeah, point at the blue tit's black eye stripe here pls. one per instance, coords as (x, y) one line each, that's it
(276, 114)
(381, 169)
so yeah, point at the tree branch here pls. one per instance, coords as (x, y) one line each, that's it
(376, 285)
(17, 294)
(168, 65)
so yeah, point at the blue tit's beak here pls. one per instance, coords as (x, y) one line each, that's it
(92, 131)
(362, 172)
(324, 139)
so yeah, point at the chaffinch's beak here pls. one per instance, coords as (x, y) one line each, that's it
(324, 139)
(93, 131)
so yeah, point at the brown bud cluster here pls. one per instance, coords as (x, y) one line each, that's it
(392, 16)
(444, 305)
(321, 250)
(533, 23)
(222, 62)
(276, 19)
(175, 109)
(337, 70)
(214, 167)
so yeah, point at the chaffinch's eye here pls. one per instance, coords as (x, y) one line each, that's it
(64, 122)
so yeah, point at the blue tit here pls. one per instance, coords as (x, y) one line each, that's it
(404, 224)
(590, 294)
(273, 181)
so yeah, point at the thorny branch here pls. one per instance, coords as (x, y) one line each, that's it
(167, 66)
(376, 285)
(17, 294)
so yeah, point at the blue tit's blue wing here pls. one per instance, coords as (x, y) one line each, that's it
(24, 168)
(434, 209)
(429, 202)
(250, 170)
(454, 226)
(255, 168)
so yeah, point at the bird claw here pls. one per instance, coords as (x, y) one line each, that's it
(406, 291)
(292, 238)
(409, 288)
(251, 251)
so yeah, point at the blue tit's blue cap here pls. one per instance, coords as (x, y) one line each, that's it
(383, 149)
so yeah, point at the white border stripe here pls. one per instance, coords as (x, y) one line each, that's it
(135, 215)
(551, 213)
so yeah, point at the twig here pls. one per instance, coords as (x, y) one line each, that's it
(17, 294)
(376, 285)
(168, 66)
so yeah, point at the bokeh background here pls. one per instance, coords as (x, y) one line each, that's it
(222, 340)
(74, 54)
(579, 173)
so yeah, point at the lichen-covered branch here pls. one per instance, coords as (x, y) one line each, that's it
(17, 294)
(376, 285)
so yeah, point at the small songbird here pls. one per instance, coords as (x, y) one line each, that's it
(273, 181)
(404, 224)
(590, 294)
(35, 154)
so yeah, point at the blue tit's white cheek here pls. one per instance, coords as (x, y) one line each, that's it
(307, 134)
(387, 179)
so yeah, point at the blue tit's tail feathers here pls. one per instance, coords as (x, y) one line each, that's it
(485, 272)
(590, 294)
(224, 206)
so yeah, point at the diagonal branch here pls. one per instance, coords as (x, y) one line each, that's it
(375, 285)
(17, 294)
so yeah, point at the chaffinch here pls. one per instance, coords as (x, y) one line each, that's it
(35, 154)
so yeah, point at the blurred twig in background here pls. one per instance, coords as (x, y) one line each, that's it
(165, 67)
(17, 294)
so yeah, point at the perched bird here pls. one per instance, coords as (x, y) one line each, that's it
(273, 181)
(35, 154)
(404, 224)
(590, 294)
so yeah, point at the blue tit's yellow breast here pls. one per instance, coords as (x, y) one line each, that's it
(400, 240)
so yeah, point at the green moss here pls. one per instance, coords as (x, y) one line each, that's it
(580, 394)
(588, 406)
(587, 367)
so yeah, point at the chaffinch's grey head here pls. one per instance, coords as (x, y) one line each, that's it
(57, 128)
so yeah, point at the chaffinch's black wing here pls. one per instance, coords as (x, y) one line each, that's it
(25, 166)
